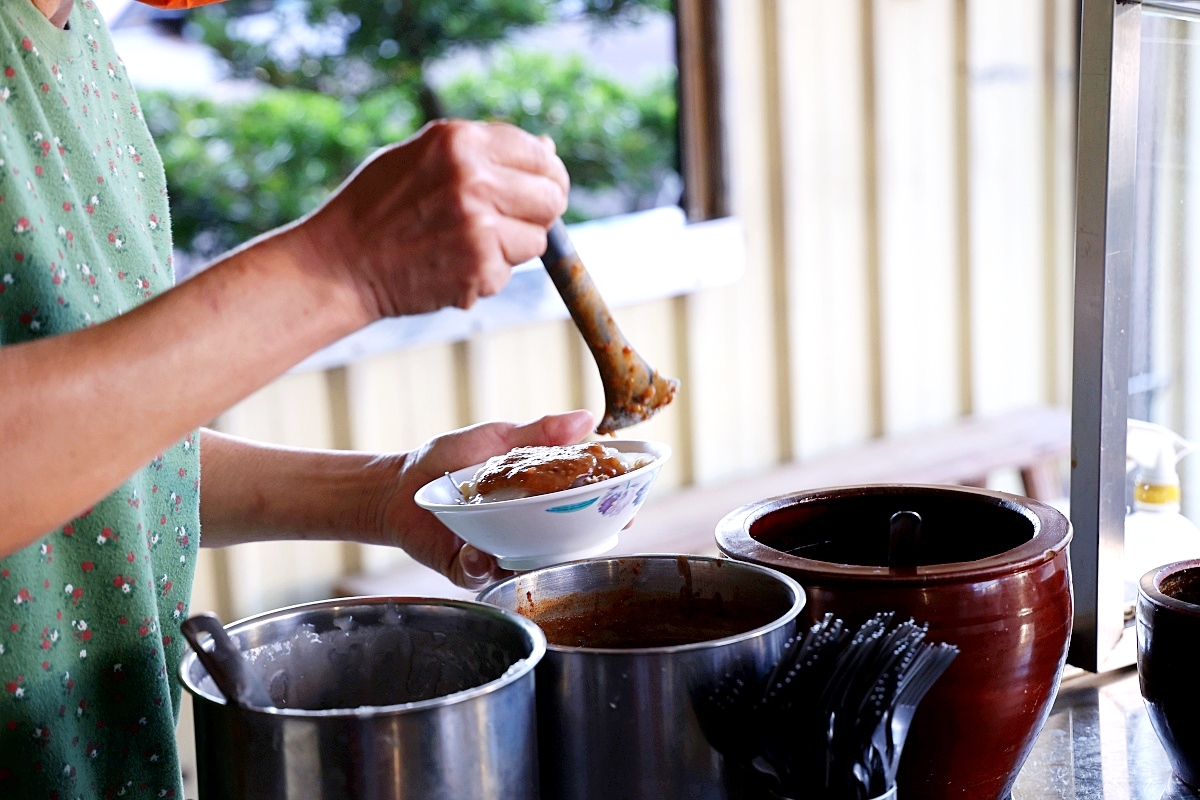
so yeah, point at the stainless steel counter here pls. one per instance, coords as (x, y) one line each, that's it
(1098, 744)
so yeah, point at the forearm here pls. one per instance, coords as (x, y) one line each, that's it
(154, 374)
(255, 492)
(435, 221)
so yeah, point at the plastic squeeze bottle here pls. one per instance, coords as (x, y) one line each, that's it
(1155, 532)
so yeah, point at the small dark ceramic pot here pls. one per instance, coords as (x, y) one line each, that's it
(987, 572)
(1168, 627)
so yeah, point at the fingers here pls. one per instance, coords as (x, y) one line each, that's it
(433, 544)
(552, 429)
(526, 196)
(519, 173)
(440, 219)
(475, 569)
(478, 443)
(495, 247)
(523, 151)
(464, 564)
(519, 241)
(527, 180)
(496, 438)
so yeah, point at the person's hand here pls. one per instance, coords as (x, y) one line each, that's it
(411, 527)
(439, 219)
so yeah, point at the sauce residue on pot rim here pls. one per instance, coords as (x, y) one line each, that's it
(629, 619)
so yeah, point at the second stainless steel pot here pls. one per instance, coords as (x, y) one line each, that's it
(619, 720)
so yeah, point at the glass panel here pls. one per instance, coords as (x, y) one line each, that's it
(1179, 8)
(1164, 326)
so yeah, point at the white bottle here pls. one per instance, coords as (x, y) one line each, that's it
(1156, 533)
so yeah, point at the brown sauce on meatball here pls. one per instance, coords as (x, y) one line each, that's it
(529, 471)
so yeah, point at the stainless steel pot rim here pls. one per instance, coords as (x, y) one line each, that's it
(514, 673)
(793, 612)
(890, 794)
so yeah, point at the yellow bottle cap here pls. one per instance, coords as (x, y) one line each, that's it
(1156, 493)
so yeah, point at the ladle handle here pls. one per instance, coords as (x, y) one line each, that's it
(559, 247)
(225, 662)
(904, 539)
(582, 299)
(633, 390)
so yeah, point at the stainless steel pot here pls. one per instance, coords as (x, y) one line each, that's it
(377, 698)
(619, 705)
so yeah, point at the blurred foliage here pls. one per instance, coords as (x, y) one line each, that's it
(235, 170)
(352, 47)
(611, 137)
(343, 77)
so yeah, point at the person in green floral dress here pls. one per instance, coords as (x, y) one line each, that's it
(108, 370)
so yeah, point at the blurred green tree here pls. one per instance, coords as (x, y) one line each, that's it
(352, 47)
(343, 77)
(613, 138)
(235, 170)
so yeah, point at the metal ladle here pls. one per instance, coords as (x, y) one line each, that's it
(225, 663)
(633, 390)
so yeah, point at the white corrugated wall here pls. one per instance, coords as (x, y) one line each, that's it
(903, 170)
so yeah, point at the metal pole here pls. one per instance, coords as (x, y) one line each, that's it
(1109, 55)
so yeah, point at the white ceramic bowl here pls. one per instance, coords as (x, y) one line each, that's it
(539, 531)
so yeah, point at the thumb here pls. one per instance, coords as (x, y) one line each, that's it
(552, 429)
(474, 569)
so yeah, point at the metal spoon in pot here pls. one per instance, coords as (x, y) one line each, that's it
(225, 662)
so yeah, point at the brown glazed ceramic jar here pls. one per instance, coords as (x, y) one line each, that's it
(987, 572)
(1168, 627)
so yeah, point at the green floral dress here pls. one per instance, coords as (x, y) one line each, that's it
(89, 613)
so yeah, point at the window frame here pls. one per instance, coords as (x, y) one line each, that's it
(1110, 63)
(1104, 204)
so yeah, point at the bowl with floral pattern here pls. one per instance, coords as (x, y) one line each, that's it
(541, 530)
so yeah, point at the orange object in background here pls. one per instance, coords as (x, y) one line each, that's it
(178, 5)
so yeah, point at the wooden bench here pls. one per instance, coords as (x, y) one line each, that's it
(1034, 441)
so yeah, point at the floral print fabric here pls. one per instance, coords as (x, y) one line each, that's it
(89, 613)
